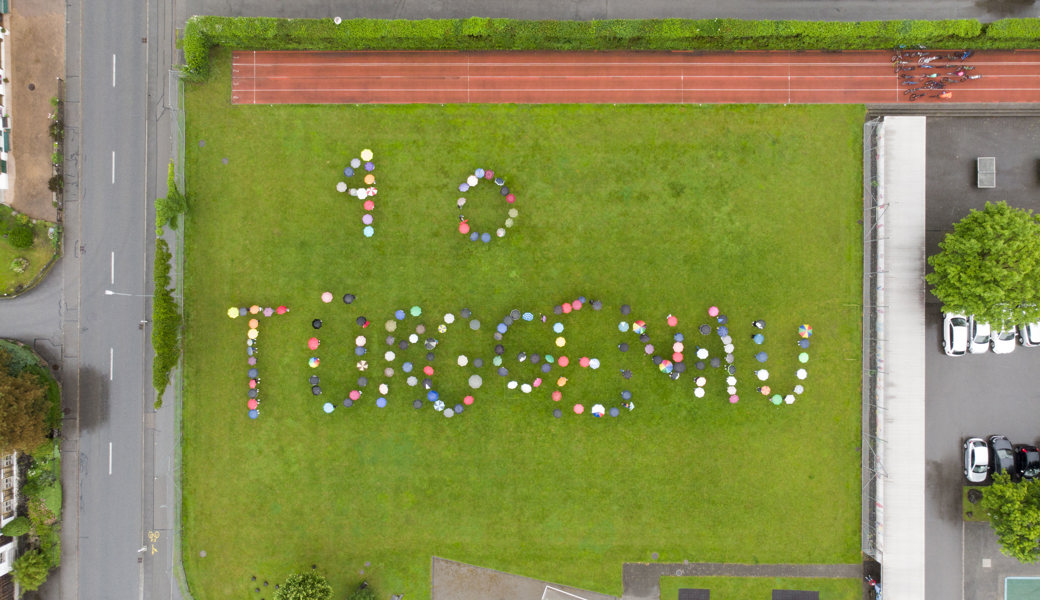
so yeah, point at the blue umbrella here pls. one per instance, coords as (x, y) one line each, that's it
(432, 395)
(758, 338)
(761, 357)
(723, 331)
(804, 344)
(253, 414)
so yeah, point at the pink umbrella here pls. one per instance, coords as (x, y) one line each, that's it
(713, 311)
(733, 399)
(578, 408)
(557, 395)
(464, 227)
(281, 310)
(567, 308)
(251, 361)
(428, 370)
(537, 382)
(576, 305)
(583, 361)
(563, 361)
(369, 205)
(677, 356)
(326, 297)
(252, 384)
(252, 404)
(672, 320)
(649, 348)
(354, 394)
(313, 343)
(467, 400)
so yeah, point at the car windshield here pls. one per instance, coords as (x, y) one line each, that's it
(1003, 453)
(959, 322)
(979, 469)
(1006, 335)
(1032, 471)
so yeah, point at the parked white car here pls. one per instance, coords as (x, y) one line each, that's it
(1003, 342)
(976, 460)
(979, 336)
(955, 334)
(1029, 334)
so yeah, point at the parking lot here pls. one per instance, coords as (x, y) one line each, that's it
(977, 395)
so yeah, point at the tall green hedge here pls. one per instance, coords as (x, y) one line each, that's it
(166, 321)
(255, 33)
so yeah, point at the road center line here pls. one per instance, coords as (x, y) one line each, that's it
(112, 270)
(113, 166)
(113, 70)
(110, 458)
(111, 362)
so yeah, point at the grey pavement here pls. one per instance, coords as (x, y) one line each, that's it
(973, 395)
(806, 10)
(451, 580)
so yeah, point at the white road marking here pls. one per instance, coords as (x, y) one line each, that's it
(113, 166)
(112, 276)
(110, 458)
(113, 70)
(111, 361)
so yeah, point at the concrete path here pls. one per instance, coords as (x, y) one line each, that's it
(458, 581)
(642, 580)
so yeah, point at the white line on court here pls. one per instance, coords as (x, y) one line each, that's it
(549, 587)
(111, 361)
(113, 166)
(112, 270)
(110, 458)
(113, 70)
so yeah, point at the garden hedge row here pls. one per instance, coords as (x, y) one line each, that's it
(201, 33)
(166, 321)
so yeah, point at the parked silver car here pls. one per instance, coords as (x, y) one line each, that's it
(976, 460)
(979, 336)
(955, 334)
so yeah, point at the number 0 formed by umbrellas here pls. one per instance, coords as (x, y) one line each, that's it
(532, 355)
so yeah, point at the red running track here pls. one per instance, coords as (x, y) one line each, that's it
(771, 77)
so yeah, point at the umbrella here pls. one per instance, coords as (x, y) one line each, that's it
(614, 411)
(700, 381)
(557, 327)
(639, 327)
(268, 311)
(253, 373)
(649, 348)
(578, 409)
(368, 231)
(803, 344)
(801, 374)
(243, 311)
(702, 353)
(254, 309)
(281, 310)
(313, 361)
(762, 374)
(525, 388)
(254, 414)
(798, 389)
(789, 399)
(598, 410)
(625, 309)
(252, 404)
(468, 400)
(734, 399)
(366, 155)
(627, 374)
(252, 393)
(567, 308)
(438, 405)
(362, 365)
(432, 395)
(354, 394)
(803, 357)
(722, 319)
(758, 324)
(622, 326)
(381, 402)
(666, 366)
(704, 329)
(428, 369)
(776, 399)
(577, 304)
(459, 408)
(723, 331)
(593, 363)
(326, 297)
(758, 338)
(463, 227)
(253, 323)
(762, 357)
(805, 330)
(563, 361)
(583, 361)
(678, 347)
(765, 389)
(415, 311)
(251, 361)
(597, 305)
(677, 357)
(623, 347)
(316, 390)
(557, 395)
(348, 298)
(328, 407)
(713, 311)
(313, 343)
(699, 392)
(672, 320)
(626, 395)
(475, 381)
(561, 342)
(232, 312)
(449, 413)
(252, 333)
(369, 180)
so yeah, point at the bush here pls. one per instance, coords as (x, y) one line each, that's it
(18, 527)
(21, 236)
(304, 586)
(56, 183)
(19, 264)
(56, 130)
(30, 570)
(167, 209)
(166, 320)
(364, 593)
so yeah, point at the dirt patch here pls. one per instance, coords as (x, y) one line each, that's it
(36, 42)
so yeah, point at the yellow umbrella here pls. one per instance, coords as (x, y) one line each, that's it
(232, 312)
(253, 333)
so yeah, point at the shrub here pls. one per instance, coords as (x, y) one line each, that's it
(56, 130)
(364, 593)
(56, 183)
(19, 264)
(21, 236)
(18, 527)
(30, 570)
(167, 209)
(166, 320)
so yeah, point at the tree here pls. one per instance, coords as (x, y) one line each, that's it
(304, 586)
(362, 593)
(23, 409)
(30, 570)
(18, 526)
(989, 267)
(1014, 514)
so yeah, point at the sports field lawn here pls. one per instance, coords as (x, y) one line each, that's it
(670, 209)
(761, 588)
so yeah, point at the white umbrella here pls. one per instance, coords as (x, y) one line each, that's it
(598, 410)
(762, 374)
(801, 374)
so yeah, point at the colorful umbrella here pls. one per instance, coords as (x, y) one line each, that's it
(639, 327)
(805, 330)
(313, 361)
(665, 366)
(598, 410)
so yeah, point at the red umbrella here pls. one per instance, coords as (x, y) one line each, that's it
(313, 343)
(252, 404)
(281, 310)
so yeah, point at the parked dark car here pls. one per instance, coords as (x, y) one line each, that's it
(1027, 461)
(1003, 454)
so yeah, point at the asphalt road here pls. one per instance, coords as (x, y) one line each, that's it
(978, 395)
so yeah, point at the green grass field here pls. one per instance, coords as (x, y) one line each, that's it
(667, 208)
(39, 254)
(760, 588)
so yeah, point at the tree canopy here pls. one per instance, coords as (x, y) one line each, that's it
(30, 570)
(304, 586)
(989, 266)
(1014, 513)
(23, 408)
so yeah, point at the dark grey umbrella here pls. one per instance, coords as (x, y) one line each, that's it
(360, 320)
(680, 367)
(503, 371)
(716, 362)
(622, 347)
(429, 356)
(478, 362)
(507, 320)
(252, 393)
(417, 404)
(699, 365)
(658, 360)
(316, 390)
(403, 344)
(597, 305)
(314, 379)
(348, 298)
(535, 358)
(362, 381)
(253, 373)
(625, 309)
(458, 408)
(557, 413)
(626, 374)
(557, 310)
(316, 323)
(499, 349)
(348, 402)
(390, 340)
(546, 367)
(466, 313)
(704, 329)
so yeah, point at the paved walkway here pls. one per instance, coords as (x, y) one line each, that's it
(774, 77)
(458, 581)
(642, 580)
